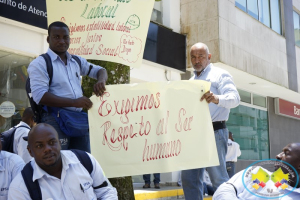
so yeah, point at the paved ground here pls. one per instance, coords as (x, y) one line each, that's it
(164, 193)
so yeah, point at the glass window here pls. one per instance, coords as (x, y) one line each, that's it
(156, 15)
(252, 8)
(250, 130)
(241, 4)
(296, 28)
(245, 96)
(264, 12)
(259, 100)
(13, 73)
(275, 16)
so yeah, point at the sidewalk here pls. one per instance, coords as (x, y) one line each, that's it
(164, 193)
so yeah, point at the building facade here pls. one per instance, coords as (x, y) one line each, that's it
(257, 41)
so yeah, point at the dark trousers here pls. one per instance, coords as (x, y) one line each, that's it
(146, 178)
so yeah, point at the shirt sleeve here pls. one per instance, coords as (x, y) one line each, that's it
(16, 165)
(39, 78)
(226, 190)
(238, 150)
(102, 191)
(17, 191)
(22, 148)
(85, 67)
(229, 96)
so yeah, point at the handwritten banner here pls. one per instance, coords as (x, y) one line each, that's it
(152, 128)
(111, 30)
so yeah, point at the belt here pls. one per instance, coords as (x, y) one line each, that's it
(219, 125)
(230, 161)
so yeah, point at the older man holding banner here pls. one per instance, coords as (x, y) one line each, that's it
(222, 96)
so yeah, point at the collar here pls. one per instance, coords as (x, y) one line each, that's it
(207, 67)
(67, 160)
(54, 56)
(1, 161)
(23, 124)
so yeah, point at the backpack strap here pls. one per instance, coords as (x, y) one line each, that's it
(49, 66)
(84, 159)
(77, 60)
(32, 187)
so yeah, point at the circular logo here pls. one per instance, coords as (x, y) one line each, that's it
(270, 179)
(7, 109)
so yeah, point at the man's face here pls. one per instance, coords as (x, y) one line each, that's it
(59, 39)
(290, 154)
(199, 58)
(44, 146)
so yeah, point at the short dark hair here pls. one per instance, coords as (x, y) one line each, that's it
(57, 24)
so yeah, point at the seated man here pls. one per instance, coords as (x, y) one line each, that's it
(60, 174)
(10, 165)
(235, 189)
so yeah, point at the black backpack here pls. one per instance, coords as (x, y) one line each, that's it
(34, 187)
(38, 109)
(7, 139)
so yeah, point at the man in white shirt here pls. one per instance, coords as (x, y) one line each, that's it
(243, 187)
(20, 145)
(10, 165)
(233, 151)
(60, 174)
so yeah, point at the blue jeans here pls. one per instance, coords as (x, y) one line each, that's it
(230, 166)
(192, 180)
(146, 178)
(67, 142)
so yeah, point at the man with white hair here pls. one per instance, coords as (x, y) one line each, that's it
(222, 96)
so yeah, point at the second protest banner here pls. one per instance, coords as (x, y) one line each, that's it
(111, 30)
(152, 128)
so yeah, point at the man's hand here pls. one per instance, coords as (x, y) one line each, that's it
(83, 102)
(99, 88)
(210, 97)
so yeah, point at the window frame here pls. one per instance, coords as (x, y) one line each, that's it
(270, 15)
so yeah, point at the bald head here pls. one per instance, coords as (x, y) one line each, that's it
(200, 45)
(39, 130)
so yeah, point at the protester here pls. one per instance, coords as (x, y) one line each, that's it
(235, 189)
(65, 89)
(233, 152)
(60, 174)
(10, 165)
(147, 180)
(20, 145)
(222, 96)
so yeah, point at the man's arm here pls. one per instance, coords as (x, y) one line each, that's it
(228, 97)
(102, 187)
(99, 87)
(52, 100)
(230, 189)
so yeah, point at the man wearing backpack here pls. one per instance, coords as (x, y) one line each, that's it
(64, 91)
(10, 165)
(59, 174)
(20, 145)
(12, 139)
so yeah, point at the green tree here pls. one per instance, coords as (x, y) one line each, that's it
(117, 74)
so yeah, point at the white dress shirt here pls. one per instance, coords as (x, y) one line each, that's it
(227, 192)
(10, 165)
(233, 151)
(75, 182)
(65, 80)
(223, 86)
(20, 145)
